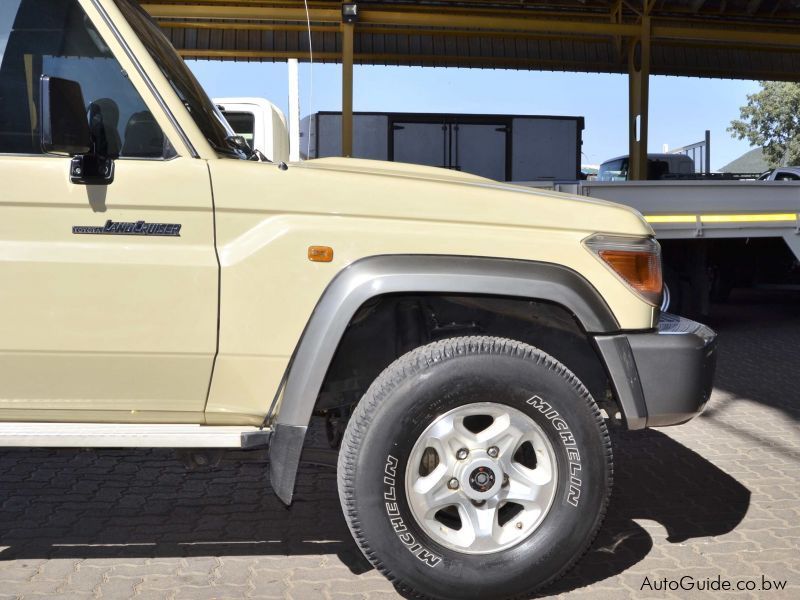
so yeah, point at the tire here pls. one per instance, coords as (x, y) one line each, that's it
(476, 390)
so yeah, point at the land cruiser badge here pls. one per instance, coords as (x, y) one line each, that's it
(130, 228)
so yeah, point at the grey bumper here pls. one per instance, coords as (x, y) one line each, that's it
(663, 377)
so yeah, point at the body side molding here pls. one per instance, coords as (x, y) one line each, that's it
(130, 435)
(381, 275)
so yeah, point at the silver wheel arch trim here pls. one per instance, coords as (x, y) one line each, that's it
(418, 274)
(414, 274)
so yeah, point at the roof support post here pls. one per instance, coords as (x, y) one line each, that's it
(638, 99)
(347, 88)
(616, 19)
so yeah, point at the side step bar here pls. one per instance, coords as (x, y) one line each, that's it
(130, 435)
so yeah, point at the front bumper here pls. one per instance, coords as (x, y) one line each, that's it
(663, 377)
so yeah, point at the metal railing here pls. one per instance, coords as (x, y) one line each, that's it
(699, 152)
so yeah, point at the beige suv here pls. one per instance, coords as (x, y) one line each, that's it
(465, 341)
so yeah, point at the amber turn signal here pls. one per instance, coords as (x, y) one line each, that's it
(639, 269)
(637, 261)
(320, 253)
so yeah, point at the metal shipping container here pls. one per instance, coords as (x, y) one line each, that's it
(501, 147)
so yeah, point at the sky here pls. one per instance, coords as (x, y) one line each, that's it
(681, 108)
(8, 8)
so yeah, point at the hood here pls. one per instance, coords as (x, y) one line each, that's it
(401, 190)
(391, 169)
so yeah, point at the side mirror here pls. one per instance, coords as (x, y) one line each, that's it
(64, 125)
(65, 130)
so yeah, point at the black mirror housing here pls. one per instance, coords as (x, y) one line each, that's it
(64, 123)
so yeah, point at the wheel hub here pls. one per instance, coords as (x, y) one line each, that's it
(481, 479)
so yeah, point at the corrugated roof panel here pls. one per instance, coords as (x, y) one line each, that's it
(263, 34)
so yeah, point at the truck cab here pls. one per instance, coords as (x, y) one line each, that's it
(659, 166)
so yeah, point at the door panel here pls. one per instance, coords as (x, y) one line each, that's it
(421, 144)
(480, 149)
(545, 149)
(105, 322)
(97, 320)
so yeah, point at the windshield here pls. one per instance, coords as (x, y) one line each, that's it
(613, 170)
(208, 118)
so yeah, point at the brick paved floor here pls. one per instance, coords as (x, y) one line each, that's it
(719, 496)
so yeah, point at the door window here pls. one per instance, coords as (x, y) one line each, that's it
(56, 38)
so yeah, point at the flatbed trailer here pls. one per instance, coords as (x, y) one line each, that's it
(716, 235)
(710, 209)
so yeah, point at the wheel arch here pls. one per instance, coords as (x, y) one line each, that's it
(383, 275)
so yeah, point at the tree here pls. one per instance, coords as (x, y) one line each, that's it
(771, 120)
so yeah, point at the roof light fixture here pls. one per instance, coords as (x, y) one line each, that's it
(349, 12)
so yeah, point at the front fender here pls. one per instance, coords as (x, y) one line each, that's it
(381, 275)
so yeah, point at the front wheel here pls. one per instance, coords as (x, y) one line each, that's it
(475, 468)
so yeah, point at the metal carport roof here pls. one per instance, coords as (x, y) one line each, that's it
(749, 39)
(752, 39)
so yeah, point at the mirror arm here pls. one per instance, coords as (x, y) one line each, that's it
(91, 169)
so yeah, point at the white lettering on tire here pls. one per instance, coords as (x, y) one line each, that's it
(399, 526)
(564, 432)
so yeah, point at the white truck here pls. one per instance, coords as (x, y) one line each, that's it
(260, 123)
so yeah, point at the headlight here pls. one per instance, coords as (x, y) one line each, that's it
(635, 260)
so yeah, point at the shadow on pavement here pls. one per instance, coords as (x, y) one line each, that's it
(660, 480)
(759, 349)
(118, 504)
(144, 503)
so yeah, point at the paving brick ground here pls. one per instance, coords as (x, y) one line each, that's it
(717, 497)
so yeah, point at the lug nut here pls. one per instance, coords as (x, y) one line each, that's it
(519, 524)
(462, 454)
(505, 479)
(453, 483)
(493, 452)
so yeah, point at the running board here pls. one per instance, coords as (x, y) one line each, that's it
(130, 435)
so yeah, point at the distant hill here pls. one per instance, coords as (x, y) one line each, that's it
(749, 162)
